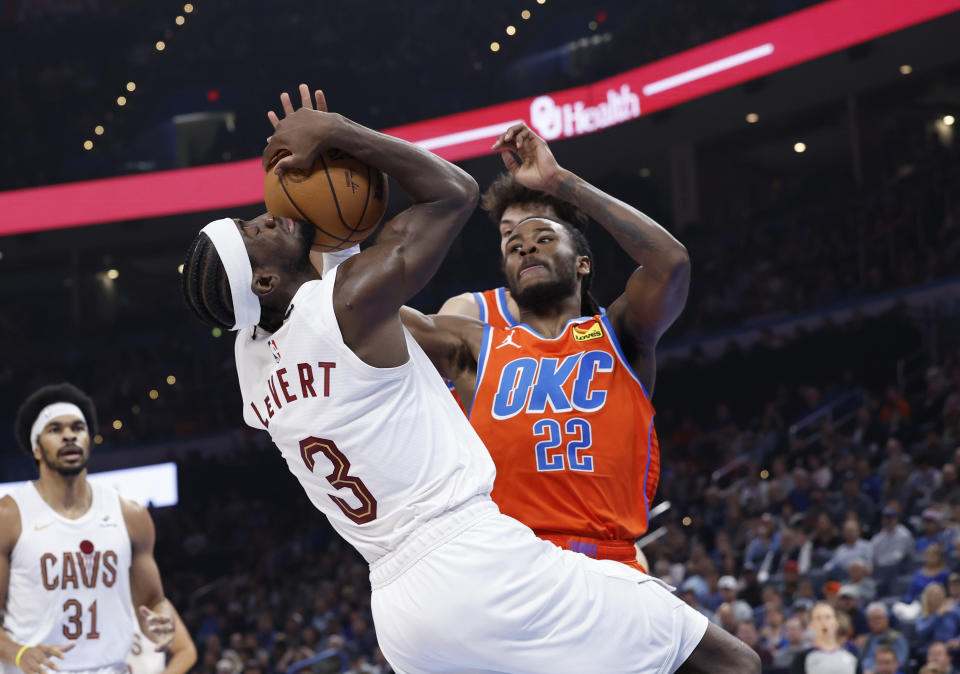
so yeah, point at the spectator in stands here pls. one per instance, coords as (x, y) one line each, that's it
(728, 588)
(948, 491)
(799, 496)
(881, 635)
(932, 529)
(726, 618)
(923, 479)
(859, 577)
(795, 642)
(938, 621)
(848, 601)
(827, 654)
(886, 662)
(894, 543)
(691, 593)
(937, 655)
(764, 538)
(794, 547)
(772, 633)
(826, 538)
(934, 570)
(747, 633)
(853, 547)
(852, 499)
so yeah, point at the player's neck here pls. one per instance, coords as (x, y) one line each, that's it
(69, 495)
(550, 320)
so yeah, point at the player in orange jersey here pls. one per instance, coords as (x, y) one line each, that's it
(561, 398)
(507, 202)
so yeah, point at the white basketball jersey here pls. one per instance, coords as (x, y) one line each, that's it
(143, 657)
(377, 450)
(70, 581)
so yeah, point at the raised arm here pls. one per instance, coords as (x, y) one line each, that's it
(657, 289)
(372, 286)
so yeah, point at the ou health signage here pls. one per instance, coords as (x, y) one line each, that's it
(769, 47)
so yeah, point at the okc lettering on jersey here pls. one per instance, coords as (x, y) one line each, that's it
(282, 383)
(70, 571)
(529, 384)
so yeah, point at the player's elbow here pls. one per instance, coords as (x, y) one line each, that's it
(678, 265)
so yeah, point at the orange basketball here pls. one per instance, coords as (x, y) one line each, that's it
(343, 198)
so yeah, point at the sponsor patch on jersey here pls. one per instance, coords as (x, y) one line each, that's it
(586, 333)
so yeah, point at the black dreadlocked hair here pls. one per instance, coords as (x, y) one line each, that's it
(53, 393)
(588, 304)
(505, 191)
(205, 286)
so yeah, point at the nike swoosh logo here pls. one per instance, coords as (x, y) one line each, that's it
(37, 527)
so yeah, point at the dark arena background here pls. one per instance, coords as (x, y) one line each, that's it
(808, 397)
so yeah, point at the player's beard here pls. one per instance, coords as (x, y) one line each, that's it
(546, 293)
(66, 471)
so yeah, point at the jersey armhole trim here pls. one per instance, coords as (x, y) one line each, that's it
(481, 363)
(481, 306)
(616, 347)
(504, 307)
(646, 472)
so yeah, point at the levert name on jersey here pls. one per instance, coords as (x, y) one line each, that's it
(284, 387)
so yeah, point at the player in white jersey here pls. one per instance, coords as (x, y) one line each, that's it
(367, 426)
(75, 557)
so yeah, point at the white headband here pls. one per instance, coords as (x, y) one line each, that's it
(233, 254)
(52, 411)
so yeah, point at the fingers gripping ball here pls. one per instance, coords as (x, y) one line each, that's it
(341, 196)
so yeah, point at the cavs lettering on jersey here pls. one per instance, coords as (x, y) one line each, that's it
(70, 581)
(570, 429)
(494, 309)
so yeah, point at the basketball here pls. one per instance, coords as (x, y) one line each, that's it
(343, 198)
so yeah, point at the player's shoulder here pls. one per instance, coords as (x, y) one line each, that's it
(9, 522)
(464, 304)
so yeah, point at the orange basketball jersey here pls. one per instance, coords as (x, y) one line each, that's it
(570, 429)
(493, 308)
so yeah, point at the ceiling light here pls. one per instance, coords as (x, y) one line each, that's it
(949, 120)
(179, 20)
(171, 380)
(906, 69)
(179, 268)
(799, 147)
(154, 394)
(98, 129)
(592, 25)
(121, 101)
(161, 45)
(88, 145)
(494, 46)
(117, 424)
(511, 30)
(752, 118)
(525, 14)
(131, 86)
(112, 274)
(188, 8)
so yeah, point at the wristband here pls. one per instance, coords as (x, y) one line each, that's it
(16, 660)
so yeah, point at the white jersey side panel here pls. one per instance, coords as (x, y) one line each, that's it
(70, 581)
(377, 450)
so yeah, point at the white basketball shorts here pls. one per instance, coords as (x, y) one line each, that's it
(476, 591)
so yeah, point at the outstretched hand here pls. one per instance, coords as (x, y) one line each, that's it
(37, 658)
(298, 138)
(537, 168)
(159, 628)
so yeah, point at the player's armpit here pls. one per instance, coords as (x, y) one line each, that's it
(464, 304)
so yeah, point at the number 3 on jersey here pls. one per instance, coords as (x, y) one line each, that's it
(568, 457)
(340, 478)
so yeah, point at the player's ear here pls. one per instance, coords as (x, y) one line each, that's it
(264, 282)
(583, 265)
